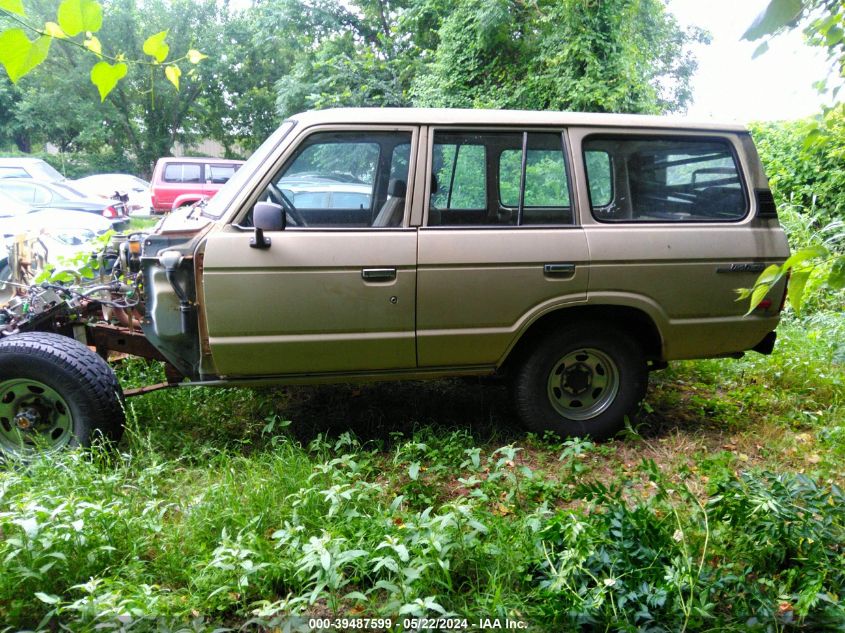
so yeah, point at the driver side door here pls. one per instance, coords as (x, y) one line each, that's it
(335, 291)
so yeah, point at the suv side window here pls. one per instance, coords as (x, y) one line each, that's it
(219, 174)
(346, 180)
(663, 179)
(182, 172)
(528, 171)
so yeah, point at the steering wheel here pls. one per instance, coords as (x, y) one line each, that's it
(277, 196)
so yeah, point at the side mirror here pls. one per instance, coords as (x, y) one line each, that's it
(266, 216)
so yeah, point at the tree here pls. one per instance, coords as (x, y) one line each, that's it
(144, 114)
(823, 24)
(238, 103)
(610, 56)
(615, 55)
(362, 52)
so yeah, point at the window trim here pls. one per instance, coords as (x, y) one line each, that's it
(566, 149)
(201, 181)
(612, 183)
(650, 136)
(289, 147)
(563, 149)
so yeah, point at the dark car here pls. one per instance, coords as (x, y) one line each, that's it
(55, 195)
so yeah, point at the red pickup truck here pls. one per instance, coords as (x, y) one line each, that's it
(179, 182)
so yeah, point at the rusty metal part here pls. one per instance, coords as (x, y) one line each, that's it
(112, 338)
(128, 318)
(140, 391)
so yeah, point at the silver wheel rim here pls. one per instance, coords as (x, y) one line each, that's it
(583, 384)
(33, 417)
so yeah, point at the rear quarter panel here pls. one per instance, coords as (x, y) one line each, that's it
(679, 273)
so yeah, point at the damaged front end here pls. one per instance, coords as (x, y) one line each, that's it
(102, 304)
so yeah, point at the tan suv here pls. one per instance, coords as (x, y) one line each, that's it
(569, 252)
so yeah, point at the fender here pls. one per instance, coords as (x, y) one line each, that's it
(566, 307)
(186, 199)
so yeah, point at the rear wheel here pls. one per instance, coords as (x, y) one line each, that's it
(581, 381)
(55, 393)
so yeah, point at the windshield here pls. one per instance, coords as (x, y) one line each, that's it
(47, 171)
(215, 207)
(10, 207)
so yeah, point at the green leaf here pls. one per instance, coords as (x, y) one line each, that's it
(742, 293)
(757, 296)
(799, 257)
(770, 275)
(93, 44)
(47, 598)
(156, 47)
(54, 30)
(778, 14)
(836, 278)
(760, 50)
(195, 57)
(76, 16)
(13, 6)
(795, 291)
(414, 471)
(173, 73)
(105, 76)
(19, 55)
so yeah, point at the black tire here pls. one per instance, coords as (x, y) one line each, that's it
(580, 380)
(59, 391)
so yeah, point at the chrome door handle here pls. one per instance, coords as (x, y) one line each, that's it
(378, 274)
(559, 270)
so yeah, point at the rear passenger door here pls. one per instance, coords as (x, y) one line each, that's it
(499, 245)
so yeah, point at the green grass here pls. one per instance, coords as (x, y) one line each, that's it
(142, 223)
(721, 510)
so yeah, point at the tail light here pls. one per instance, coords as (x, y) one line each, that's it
(110, 212)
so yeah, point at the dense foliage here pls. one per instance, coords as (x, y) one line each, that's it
(282, 56)
(613, 56)
(805, 162)
(230, 506)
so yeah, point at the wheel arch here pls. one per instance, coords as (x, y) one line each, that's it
(635, 322)
(185, 199)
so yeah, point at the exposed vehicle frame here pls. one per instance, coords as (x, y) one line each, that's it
(576, 307)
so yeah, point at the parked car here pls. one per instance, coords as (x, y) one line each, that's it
(59, 234)
(570, 254)
(135, 190)
(181, 182)
(55, 195)
(21, 167)
(327, 195)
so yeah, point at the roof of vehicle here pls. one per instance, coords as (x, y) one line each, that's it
(49, 184)
(199, 159)
(104, 177)
(445, 116)
(32, 166)
(19, 160)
